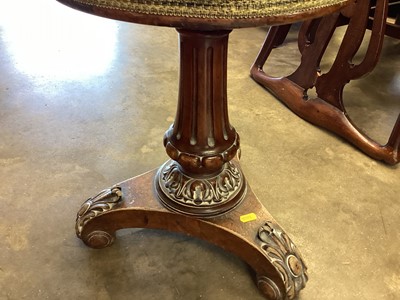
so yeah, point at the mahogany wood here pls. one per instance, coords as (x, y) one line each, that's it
(259, 240)
(201, 191)
(201, 141)
(327, 109)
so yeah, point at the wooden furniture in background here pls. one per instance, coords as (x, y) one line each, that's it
(327, 109)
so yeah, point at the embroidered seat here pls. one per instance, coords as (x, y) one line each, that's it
(208, 13)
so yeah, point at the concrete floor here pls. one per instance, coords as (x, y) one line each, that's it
(84, 103)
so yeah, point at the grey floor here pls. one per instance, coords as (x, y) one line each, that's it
(84, 103)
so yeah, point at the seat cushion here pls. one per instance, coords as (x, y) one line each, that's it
(243, 13)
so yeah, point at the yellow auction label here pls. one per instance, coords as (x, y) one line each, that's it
(248, 217)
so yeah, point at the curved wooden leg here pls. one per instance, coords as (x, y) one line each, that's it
(249, 231)
(327, 109)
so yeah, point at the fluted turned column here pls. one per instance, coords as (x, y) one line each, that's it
(201, 179)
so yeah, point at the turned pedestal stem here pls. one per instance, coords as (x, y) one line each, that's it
(201, 180)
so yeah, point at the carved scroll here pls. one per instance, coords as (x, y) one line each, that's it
(96, 206)
(285, 257)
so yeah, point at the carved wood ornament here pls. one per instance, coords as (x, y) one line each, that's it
(284, 255)
(202, 181)
(201, 191)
